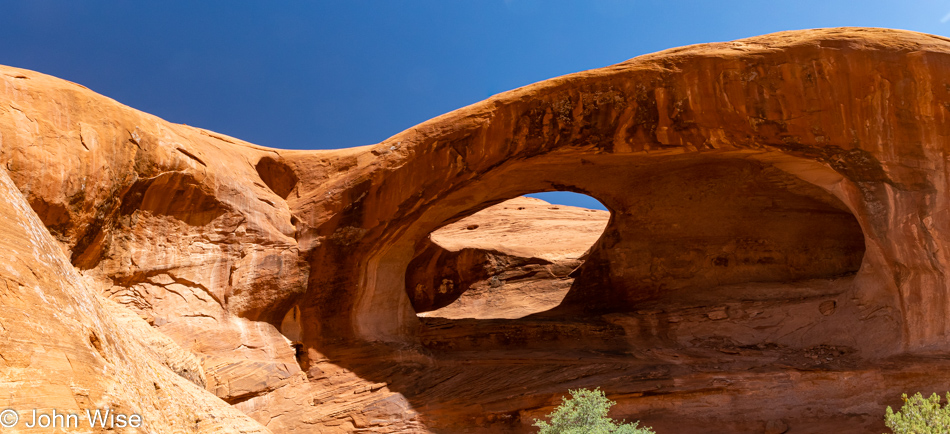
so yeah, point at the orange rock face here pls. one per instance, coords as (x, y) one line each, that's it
(774, 259)
(65, 350)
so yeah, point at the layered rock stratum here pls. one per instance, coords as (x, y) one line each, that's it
(774, 259)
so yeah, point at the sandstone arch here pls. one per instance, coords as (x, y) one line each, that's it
(850, 123)
(600, 290)
(799, 101)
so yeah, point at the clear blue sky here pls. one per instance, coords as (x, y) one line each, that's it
(316, 75)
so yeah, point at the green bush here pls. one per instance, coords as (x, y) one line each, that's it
(919, 416)
(586, 413)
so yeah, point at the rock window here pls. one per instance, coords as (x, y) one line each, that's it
(509, 260)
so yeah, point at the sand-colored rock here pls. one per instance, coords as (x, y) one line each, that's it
(509, 260)
(528, 228)
(64, 350)
(170, 221)
(778, 233)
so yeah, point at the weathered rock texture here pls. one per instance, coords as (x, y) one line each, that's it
(775, 258)
(64, 349)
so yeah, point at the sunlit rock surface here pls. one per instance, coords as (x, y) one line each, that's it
(774, 259)
(509, 260)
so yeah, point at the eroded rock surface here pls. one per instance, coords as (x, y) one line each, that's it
(64, 349)
(775, 258)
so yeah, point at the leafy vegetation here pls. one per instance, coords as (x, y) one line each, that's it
(585, 412)
(919, 416)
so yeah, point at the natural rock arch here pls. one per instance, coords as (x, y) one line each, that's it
(800, 102)
(845, 121)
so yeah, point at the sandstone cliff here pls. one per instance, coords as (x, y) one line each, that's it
(775, 256)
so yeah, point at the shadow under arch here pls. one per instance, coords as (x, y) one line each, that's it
(767, 224)
(436, 364)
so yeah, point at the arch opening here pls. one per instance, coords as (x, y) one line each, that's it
(685, 231)
(506, 261)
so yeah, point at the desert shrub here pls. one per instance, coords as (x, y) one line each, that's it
(585, 412)
(919, 416)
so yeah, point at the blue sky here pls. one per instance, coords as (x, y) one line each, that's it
(318, 75)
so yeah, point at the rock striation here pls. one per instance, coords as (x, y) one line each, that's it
(778, 232)
(64, 349)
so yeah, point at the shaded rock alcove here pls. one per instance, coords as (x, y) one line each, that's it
(277, 175)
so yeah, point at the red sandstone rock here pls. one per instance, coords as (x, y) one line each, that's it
(775, 258)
